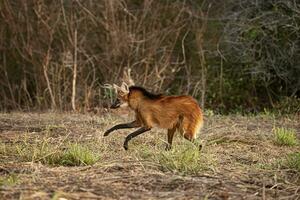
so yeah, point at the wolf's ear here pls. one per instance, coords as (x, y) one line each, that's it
(117, 88)
(124, 88)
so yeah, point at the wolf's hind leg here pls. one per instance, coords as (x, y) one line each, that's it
(170, 138)
(190, 136)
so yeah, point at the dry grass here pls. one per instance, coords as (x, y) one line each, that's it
(293, 161)
(239, 159)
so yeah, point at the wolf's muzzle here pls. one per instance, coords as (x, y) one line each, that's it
(116, 104)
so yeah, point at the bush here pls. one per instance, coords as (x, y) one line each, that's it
(261, 43)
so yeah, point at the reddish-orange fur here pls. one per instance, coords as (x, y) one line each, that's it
(167, 112)
(180, 113)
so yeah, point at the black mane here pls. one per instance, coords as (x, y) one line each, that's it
(147, 94)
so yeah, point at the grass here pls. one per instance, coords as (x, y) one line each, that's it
(77, 155)
(285, 137)
(2, 148)
(9, 180)
(237, 152)
(47, 153)
(293, 161)
(184, 158)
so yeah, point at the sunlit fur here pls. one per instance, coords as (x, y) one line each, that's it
(180, 113)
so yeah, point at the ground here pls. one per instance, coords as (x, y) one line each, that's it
(239, 159)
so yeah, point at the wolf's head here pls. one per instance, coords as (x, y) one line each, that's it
(122, 96)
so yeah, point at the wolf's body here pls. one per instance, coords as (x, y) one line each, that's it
(173, 113)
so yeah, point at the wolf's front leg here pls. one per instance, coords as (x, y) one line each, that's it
(133, 124)
(133, 135)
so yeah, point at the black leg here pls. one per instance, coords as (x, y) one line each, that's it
(187, 136)
(133, 124)
(134, 134)
(200, 147)
(170, 138)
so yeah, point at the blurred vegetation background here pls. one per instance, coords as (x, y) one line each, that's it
(233, 55)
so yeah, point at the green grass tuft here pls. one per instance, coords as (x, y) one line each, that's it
(9, 180)
(285, 137)
(48, 153)
(76, 155)
(184, 159)
(293, 161)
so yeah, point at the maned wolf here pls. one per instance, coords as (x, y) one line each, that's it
(180, 113)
